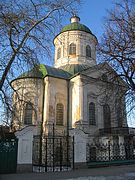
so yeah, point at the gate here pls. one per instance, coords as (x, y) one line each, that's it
(53, 154)
(8, 155)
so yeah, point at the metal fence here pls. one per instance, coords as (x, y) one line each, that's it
(101, 152)
(53, 153)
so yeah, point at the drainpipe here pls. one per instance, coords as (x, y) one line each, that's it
(67, 122)
(68, 107)
(42, 122)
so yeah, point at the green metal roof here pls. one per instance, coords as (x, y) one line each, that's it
(64, 72)
(74, 68)
(76, 26)
(55, 72)
(37, 71)
(41, 70)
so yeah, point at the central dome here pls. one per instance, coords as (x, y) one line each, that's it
(75, 25)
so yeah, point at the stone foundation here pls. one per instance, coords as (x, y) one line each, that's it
(24, 168)
(80, 165)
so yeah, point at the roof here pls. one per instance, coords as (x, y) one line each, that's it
(76, 26)
(74, 68)
(41, 70)
(37, 71)
(64, 72)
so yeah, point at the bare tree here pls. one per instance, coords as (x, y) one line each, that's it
(26, 31)
(117, 45)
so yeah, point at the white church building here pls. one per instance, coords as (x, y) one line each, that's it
(77, 98)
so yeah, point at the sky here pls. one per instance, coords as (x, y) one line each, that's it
(92, 14)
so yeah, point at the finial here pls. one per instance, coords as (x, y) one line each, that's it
(74, 18)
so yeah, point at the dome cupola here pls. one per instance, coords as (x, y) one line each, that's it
(75, 44)
(76, 25)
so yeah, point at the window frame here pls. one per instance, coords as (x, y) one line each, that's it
(88, 51)
(72, 49)
(107, 116)
(59, 53)
(28, 114)
(92, 113)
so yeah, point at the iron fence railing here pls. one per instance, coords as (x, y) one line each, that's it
(114, 131)
(100, 152)
(53, 153)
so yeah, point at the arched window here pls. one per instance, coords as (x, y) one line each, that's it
(92, 119)
(107, 116)
(58, 53)
(14, 111)
(59, 114)
(28, 114)
(119, 113)
(72, 49)
(88, 51)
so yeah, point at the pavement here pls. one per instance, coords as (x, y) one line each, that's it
(124, 172)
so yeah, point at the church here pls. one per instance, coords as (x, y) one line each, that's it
(76, 98)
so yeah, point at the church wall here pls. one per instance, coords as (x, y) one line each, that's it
(106, 93)
(90, 95)
(27, 90)
(55, 92)
(77, 101)
(95, 91)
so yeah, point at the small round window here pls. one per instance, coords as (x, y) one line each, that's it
(104, 77)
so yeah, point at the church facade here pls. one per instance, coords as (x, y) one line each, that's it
(77, 97)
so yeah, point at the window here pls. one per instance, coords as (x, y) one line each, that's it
(92, 119)
(28, 114)
(72, 49)
(58, 53)
(107, 116)
(104, 77)
(59, 114)
(119, 114)
(88, 51)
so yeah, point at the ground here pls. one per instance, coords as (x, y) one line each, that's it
(125, 172)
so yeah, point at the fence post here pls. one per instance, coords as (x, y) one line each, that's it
(109, 150)
(53, 146)
(61, 151)
(46, 155)
(73, 155)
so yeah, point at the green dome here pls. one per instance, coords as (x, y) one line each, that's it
(76, 26)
